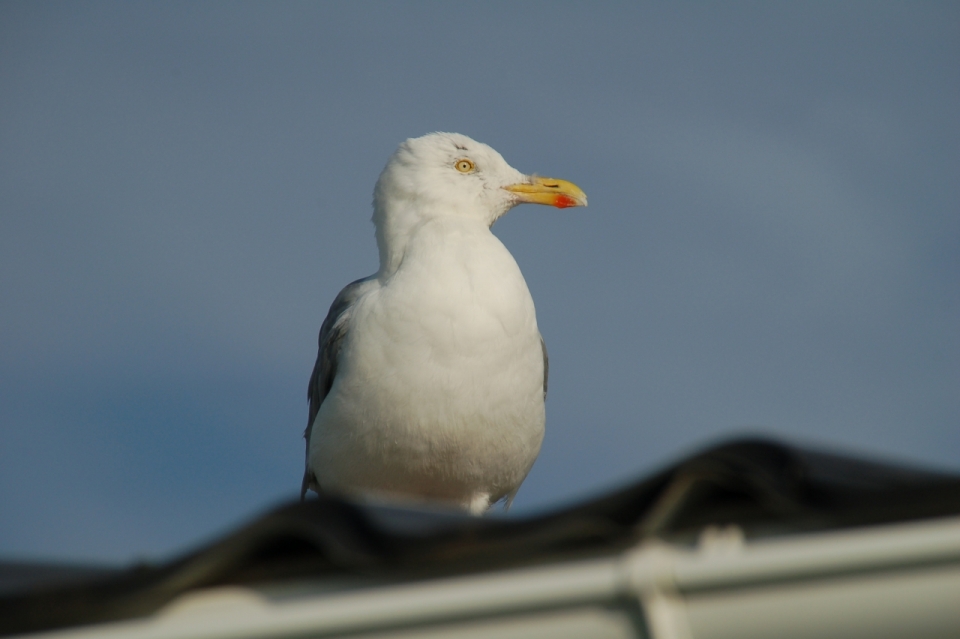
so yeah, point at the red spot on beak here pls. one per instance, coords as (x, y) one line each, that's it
(563, 201)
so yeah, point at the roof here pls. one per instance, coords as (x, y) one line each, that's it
(766, 489)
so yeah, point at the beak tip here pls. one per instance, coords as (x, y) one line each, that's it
(564, 201)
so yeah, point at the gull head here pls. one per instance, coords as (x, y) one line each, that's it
(452, 175)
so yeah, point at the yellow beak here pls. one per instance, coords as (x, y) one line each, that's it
(544, 190)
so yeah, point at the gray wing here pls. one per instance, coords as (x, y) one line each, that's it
(546, 365)
(332, 332)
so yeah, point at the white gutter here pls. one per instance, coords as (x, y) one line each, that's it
(721, 588)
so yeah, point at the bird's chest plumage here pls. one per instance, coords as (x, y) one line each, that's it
(447, 362)
(445, 372)
(457, 310)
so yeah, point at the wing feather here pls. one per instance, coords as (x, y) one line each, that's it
(332, 333)
(546, 365)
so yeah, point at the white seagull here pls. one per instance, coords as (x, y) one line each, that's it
(431, 375)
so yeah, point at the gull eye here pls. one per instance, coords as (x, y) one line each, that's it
(465, 166)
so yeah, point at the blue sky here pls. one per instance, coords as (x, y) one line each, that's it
(772, 244)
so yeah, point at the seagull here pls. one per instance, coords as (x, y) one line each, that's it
(431, 374)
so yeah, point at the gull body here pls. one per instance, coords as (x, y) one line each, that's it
(431, 374)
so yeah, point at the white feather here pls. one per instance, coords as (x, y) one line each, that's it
(439, 386)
